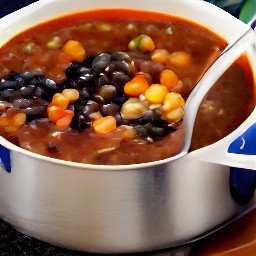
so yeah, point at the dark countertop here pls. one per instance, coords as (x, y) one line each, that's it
(14, 243)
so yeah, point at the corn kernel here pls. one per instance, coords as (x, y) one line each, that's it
(174, 115)
(179, 59)
(4, 120)
(4, 105)
(60, 100)
(104, 26)
(159, 56)
(132, 109)
(11, 128)
(11, 121)
(19, 119)
(173, 101)
(71, 94)
(54, 43)
(156, 93)
(104, 125)
(143, 43)
(74, 50)
(154, 106)
(137, 86)
(128, 132)
(95, 115)
(133, 44)
(146, 44)
(169, 79)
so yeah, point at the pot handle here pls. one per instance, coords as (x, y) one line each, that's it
(242, 184)
(5, 159)
(236, 150)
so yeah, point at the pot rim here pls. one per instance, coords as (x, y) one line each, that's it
(8, 24)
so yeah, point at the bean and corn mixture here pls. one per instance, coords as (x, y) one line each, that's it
(113, 91)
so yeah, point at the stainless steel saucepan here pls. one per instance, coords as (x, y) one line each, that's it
(121, 209)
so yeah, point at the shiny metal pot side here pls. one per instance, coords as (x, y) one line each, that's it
(118, 209)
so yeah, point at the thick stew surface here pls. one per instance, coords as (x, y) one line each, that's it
(109, 87)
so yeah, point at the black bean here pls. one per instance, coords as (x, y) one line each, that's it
(70, 107)
(16, 77)
(99, 99)
(174, 126)
(37, 80)
(72, 71)
(41, 92)
(110, 68)
(151, 68)
(22, 103)
(49, 83)
(36, 111)
(27, 92)
(13, 77)
(21, 82)
(149, 117)
(4, 95)
(89, 108)
(73, 84)
(142, 131)
(28, 75)
(120, 56)
(103, 79)
(85, 95)
(63, 84)
(125, 66)
(153, 131)
(119, 119)
(119, 78)
(158, 131)
(9, 85)
(138, 55)
(34, 108)
(24, 92)
(100, 62)
(110, 109)
(40, 102)
(84, 70)
(86, 80)
(15, 95)
(80, 123)
(107, 92)
(120, 100)
(88, 62)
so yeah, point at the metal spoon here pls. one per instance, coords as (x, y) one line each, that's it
(219, 151)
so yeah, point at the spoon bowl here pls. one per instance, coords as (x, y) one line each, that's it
(214, 72)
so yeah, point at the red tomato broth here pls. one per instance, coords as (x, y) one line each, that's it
(231, 106)
(49, 60)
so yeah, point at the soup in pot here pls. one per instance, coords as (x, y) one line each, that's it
(109, 87)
